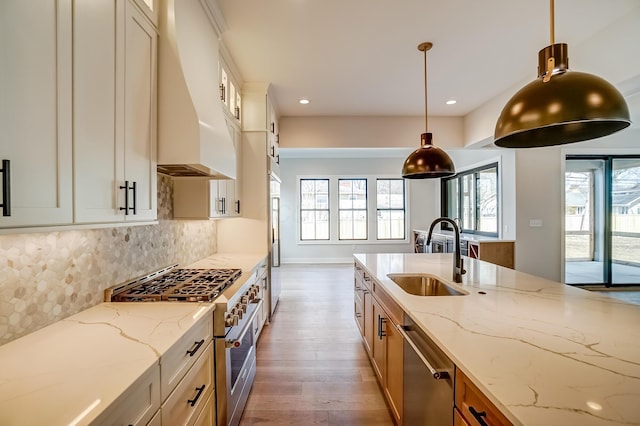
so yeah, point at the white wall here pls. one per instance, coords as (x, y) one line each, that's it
(367, 132)
(422, 194)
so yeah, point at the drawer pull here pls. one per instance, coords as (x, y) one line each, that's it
(193, 401)
(193, 351)
(6, 188)
(479, 416)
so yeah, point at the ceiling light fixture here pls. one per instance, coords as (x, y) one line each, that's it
(451, 102)
(428, 161)
(560, 106)
(304, 101)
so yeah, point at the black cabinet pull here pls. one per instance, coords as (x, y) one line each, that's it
(222, 92)
(6, 188)
(278, 159)
(193, 401)
(224, 205)
(135, 197)
(479, 416)
(238, 206)
(273, 150)
(381, 321)
(128, 188)
(237, 113)
(126, 197)
(273, 127)
(197, 345)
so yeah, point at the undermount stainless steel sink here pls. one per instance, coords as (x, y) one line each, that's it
(424, 285)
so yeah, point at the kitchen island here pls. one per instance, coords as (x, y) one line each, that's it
(542, 352)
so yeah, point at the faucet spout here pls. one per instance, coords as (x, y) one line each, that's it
(458, 266)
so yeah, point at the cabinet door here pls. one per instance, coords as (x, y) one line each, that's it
(370, 323)
(379, 341)
(216, 193)
(394, 369)
(140, 112)
(114, 113)
(98, 150)
(35, 111)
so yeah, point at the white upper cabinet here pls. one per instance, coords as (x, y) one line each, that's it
(230, 93)
(114, 113)
(259, 115)
(35, 113)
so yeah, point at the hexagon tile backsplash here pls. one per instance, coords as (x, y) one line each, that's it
(45, 277)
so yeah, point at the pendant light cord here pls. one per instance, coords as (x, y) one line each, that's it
(426, 119)
(552, 24)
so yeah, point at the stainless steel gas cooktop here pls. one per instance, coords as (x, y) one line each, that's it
(173, 284)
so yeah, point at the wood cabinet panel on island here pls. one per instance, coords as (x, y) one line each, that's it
(378, 315)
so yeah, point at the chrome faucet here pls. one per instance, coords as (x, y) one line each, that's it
(458, 267)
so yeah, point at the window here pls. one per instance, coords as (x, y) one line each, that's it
(472, 196)
(314, 209)
(390, 209)
(352, 209)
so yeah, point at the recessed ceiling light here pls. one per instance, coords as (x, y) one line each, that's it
(451, 101)
(303, 101)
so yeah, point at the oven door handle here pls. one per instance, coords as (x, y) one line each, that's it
(237, 342)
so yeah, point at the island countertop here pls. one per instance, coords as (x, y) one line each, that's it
(543, 352)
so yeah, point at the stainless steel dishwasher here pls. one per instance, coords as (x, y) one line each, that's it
(428, 380)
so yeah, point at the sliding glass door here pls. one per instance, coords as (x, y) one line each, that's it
(602, 220)
(625, 221)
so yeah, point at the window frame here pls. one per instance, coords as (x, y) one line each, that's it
(301, 210)
(334, 215)
(391, 209)
(459, 177)
(352, 210)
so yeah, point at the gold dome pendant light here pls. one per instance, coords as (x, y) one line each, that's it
(428, 161)
(560, 106)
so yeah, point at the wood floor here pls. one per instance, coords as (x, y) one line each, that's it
(312, 367)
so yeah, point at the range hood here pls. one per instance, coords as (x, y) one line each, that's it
(193, 138)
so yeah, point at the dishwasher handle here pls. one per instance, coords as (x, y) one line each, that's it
(437, 374)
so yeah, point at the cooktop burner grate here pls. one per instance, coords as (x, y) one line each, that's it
(187, 285)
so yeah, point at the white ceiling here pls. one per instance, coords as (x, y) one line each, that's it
(360, 57)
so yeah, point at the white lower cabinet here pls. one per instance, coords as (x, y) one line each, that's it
(186, 402)
(208, 415)
(138, 405)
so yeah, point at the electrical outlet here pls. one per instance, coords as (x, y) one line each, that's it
(535, 223)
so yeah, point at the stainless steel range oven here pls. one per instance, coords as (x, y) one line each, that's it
(236, 307)
(236, 350)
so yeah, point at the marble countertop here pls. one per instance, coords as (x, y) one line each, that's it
(543, 352)
(52, 376)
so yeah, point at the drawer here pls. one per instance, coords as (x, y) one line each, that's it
(192, 393)
(393, 310)
(458, 420)
(137, 405)
(208, 415)
(473, 404)
(156, 420)
(181, 356)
